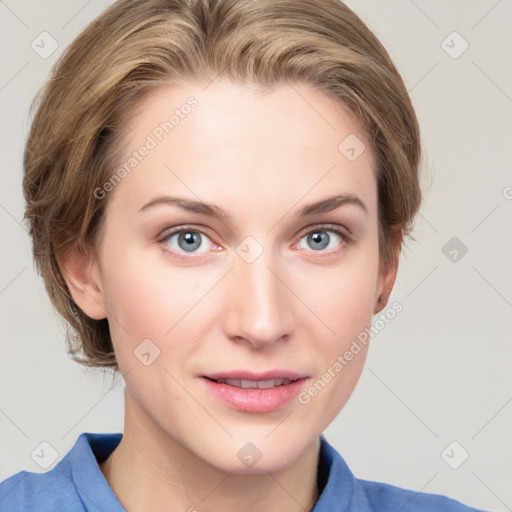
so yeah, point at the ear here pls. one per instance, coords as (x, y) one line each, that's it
(80, 270)
(387, 273)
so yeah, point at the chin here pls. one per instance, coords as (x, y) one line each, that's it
(257, 454)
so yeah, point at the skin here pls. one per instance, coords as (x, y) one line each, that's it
(260, 156)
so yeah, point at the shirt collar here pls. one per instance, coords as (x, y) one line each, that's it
(336, 483)
(335, 480)
(93, 489)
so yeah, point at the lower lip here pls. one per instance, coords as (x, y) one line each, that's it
(255, 400)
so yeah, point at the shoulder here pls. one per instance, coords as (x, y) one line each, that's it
(383, 497)
(30, 491)
(75, 484)
(341, 490)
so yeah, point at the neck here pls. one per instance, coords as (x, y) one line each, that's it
(149, 470)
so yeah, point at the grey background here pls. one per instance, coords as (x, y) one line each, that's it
(438, 373)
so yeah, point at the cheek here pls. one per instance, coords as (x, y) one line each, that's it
(148, 300)
(342, 295)
(340, 344)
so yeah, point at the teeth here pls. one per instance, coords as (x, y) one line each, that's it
(248, 384)
(254, 384)
(264, 384)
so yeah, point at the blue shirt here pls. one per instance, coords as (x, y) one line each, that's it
(76, 484)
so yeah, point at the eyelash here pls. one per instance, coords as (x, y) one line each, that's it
(346, 237)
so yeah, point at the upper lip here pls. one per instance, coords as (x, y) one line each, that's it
(247, 375)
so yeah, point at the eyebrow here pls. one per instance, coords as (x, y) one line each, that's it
(325, 205)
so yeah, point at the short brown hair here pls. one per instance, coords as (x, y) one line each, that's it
(137, 46)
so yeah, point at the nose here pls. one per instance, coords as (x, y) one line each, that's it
(259, 304)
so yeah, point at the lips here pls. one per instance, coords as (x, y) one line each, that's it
(255, 392)
(262, 376)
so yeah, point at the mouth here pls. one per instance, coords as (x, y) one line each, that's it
(255, 393)
(254, 384)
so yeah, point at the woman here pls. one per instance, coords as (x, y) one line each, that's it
(218, 192)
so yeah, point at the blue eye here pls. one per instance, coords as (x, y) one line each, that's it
(320, 239)
(188, 241)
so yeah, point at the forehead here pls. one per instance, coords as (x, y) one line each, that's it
(244, 145)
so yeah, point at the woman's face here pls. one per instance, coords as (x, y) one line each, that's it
(260, 281)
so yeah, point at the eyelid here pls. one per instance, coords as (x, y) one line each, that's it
(343, 232)
(166, 233)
